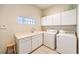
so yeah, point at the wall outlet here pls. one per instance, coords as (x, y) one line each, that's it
(3, 26)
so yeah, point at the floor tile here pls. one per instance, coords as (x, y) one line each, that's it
(44, 50)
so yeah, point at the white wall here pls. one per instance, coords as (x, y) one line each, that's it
(8, 17)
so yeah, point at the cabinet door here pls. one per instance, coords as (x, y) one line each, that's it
(49, 40)
(68, 17)
(56, 19)
(24, 45)
(43, 21)
(46, 21)
(36, 41)
(49, 20)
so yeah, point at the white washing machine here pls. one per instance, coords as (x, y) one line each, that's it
(66, 43)
(49, 38)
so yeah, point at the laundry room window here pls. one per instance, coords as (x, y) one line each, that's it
(26, 20)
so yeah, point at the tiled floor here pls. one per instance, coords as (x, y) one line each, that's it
(44, 50)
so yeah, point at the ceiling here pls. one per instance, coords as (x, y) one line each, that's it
(42, 6)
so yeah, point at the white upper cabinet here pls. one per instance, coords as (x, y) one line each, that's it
(46, 20)
(51, 20)
(64, 18)
(43, 21)
(68, 17)
(56, 19)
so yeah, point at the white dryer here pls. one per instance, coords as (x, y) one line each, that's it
(66, 43)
